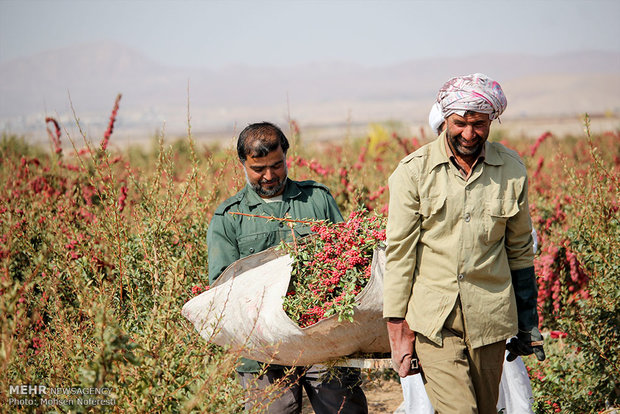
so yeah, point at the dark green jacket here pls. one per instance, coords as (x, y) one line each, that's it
(231, 237)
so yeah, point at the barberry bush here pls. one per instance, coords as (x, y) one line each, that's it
(101, 247)
(97, 256)
(577, 214)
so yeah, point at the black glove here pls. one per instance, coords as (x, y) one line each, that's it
(526, 343)
(529, 340)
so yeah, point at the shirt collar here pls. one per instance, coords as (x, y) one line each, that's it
(437, 154)
(492, 156)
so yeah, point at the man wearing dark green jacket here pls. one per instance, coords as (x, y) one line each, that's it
(269, 192)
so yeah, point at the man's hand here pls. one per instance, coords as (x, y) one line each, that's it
(402, 340)
(526, 343)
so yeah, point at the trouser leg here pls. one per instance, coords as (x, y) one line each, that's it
(457, 378)
(277, 391)
(447, 375)
(337, 390)
(486, 373)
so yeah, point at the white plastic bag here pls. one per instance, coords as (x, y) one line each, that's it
(243, 308)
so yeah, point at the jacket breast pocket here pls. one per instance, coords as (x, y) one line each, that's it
(497, 213)
(254, 243)
(302, 231)
(432, 210)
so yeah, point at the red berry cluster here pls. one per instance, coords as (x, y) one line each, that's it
(332, 267)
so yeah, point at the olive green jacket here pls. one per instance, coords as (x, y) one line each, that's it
(231, 237)
(448, 237)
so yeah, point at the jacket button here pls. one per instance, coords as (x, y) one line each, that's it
(251, 249)
(281, 224)
(467, 217)
(461, 276)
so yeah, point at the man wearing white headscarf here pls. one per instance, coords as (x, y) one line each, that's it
(459, 275)
(515, 391)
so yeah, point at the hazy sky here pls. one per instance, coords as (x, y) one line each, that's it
(218, 33)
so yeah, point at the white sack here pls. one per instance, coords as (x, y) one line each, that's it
(243, 308)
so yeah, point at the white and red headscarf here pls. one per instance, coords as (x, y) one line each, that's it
(476, 92)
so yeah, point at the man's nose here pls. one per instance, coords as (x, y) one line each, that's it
(268, 174)
(468, 132)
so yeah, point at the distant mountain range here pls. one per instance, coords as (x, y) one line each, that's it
(317, 94)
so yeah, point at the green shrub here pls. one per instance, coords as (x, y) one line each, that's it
(581, 374)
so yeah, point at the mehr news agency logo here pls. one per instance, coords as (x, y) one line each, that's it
(41, 395)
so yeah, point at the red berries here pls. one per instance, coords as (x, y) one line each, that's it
(331, 268)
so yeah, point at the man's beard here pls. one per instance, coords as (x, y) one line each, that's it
(263, 192)
(463, 151)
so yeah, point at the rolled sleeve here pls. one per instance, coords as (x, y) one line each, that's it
(403, 234)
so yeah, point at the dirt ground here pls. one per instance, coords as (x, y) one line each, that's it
(383, 397)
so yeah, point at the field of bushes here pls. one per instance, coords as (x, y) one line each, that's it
(100, 248)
